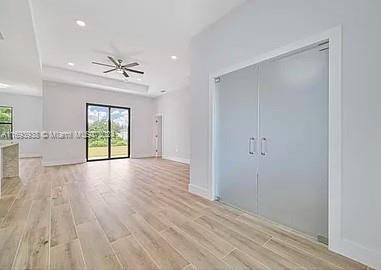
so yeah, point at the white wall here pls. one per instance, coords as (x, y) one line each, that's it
(264, 25)
(27, 116)
(65, 110)
(175, 107)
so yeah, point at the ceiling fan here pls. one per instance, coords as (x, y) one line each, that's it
(119, 67)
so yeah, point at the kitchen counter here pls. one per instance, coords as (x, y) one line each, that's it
(9, 160)
(7, 144)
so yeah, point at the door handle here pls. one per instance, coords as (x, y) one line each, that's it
(252, 146)
(263, 146)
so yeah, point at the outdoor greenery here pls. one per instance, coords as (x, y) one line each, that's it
(99, 137)
(5, 114)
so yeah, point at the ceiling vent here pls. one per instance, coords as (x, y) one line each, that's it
(1, 36)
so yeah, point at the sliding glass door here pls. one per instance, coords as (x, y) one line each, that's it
(108, 130)
(120, 135)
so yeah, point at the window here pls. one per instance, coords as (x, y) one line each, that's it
(6, 122)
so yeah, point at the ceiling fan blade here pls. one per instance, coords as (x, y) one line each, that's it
(113, 60)
(96, 63)
(110, 70)
(125, 74)
(135, 71)
(131, 65)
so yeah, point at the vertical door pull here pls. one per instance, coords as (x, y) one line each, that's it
(252, 146)
(263, 146)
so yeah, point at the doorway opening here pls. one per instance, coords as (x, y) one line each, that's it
(158, 135)
(108, 130)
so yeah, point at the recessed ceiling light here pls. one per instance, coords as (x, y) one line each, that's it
(3, 85)
(81, 23)
(71, 64)
(174, 57)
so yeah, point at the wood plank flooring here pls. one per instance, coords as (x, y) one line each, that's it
(137, 214)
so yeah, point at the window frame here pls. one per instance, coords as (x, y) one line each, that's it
(8, 123)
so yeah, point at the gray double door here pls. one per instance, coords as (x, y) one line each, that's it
(272, 140)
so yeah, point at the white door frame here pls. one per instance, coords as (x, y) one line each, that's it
(334, 36)
(162, 132)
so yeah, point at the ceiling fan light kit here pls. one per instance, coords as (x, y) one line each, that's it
(117, 65)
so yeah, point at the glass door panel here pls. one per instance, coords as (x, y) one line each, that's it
(236, 138)
(98, 128)
(120, 125)
(293, 174)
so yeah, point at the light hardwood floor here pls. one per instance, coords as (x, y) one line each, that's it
(137, 214)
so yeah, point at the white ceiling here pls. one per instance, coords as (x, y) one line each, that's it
(19, 61)
(146, 31)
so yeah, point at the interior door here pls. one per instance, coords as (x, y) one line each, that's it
(293, 176)
(158, 135)
(236, 128)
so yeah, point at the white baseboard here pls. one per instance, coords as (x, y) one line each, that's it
(30, 155)
(142, 156)
(357, 252)
(177, 159)
(199, 191)
(62, 162)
